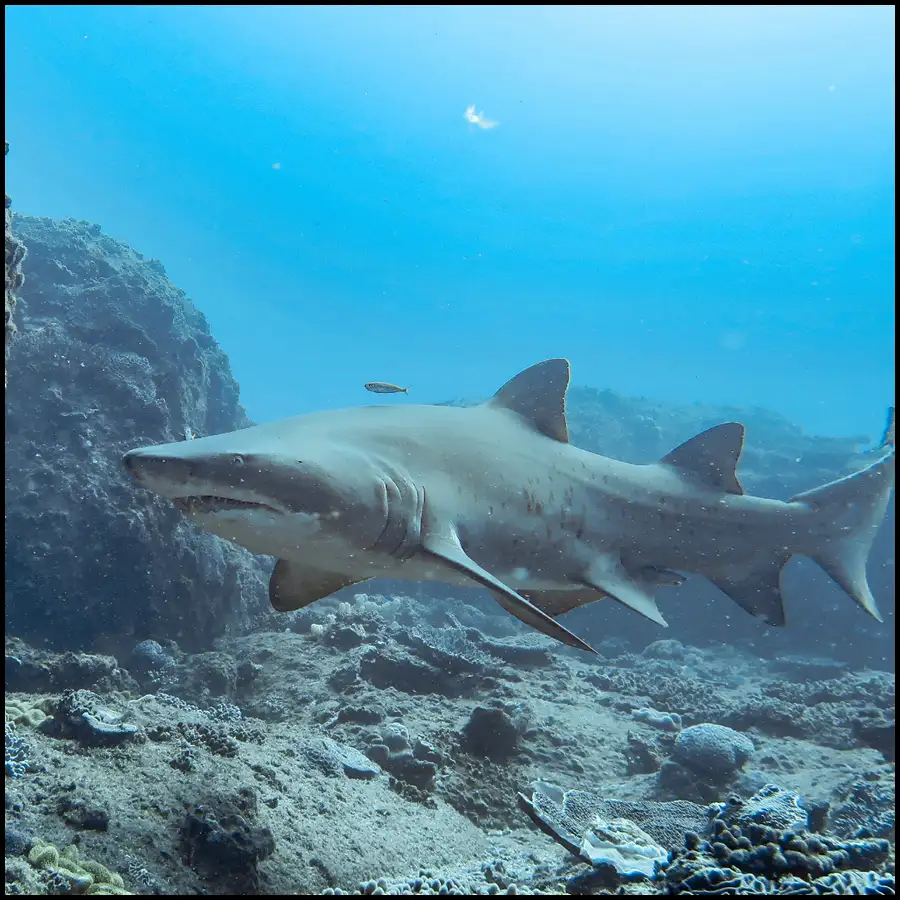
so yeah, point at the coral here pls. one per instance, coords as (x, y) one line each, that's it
(223, 844)
(36, 670)
(17, 763)
(752, 848)
(150, 657)
(865, 807)
(23, 711)
(568, 816)
(771, 806)
(663, 721)
(82, 715)
(334, 758)
(486, 879)
(65, 872)
(664, 649)
(713, 750)
(853, 710)
(491, 732)
(641, 756)
(412, 761)
(705, 757)
(879, 734)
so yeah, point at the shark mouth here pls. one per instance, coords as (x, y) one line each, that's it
(208, 504)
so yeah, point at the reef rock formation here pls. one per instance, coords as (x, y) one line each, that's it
(15, 254)
(110, 356)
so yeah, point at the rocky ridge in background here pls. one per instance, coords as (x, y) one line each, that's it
(111, 356)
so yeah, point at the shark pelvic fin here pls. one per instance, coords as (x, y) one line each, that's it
(444, 544)
(758, 592)
(538, 395)
(292, 587)
(609, 576)
(556, 603)
(711, 457)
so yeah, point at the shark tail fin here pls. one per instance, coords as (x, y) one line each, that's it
(853, 508)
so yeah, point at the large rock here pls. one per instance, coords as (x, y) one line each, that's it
(110, 356)
(14, 255)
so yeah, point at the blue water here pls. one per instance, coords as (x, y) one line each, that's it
(692, 204)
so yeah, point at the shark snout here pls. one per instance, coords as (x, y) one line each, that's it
(155, 470)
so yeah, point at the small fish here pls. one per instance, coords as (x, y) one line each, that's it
(478, 118)
(385, 387)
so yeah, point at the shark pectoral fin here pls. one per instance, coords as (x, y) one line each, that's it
(758, 592)
(711, 457)
(609, 576)
(445, 546)
(538, 395)
(292, 587)
(555, 603)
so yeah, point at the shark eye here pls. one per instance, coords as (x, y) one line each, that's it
(238, 460)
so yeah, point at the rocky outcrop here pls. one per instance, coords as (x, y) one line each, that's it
(110, 356)
(15, 254)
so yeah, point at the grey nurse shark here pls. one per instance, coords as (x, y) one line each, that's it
(495, 495)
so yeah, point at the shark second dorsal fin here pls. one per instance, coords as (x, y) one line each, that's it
(711, 457)
(538, 395)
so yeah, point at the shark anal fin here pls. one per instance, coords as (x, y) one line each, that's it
(711, 457)
(758, 592)
(609, 576)
(443, 544)
(557, 603)
(292, 587)
(538, 395)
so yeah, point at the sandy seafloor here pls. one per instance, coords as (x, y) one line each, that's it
(207, 773)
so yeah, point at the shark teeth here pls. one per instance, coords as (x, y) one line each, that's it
(210, 504)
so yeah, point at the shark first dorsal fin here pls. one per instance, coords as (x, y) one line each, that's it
(538, 395)
(711, 457)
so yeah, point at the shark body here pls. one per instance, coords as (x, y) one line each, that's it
(496, 496)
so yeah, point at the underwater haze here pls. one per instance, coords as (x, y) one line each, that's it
(690, 203)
